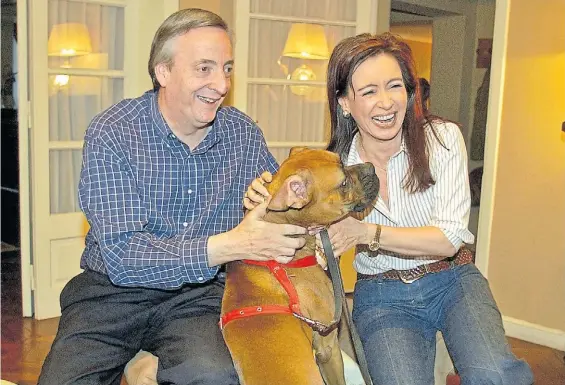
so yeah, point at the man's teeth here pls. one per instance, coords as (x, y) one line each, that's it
(207, 100)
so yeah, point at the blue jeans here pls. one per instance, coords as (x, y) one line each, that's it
(397, 323)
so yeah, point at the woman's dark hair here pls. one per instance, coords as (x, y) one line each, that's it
(425, 91)
(345, 59)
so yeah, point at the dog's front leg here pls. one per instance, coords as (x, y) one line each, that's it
(329, 359)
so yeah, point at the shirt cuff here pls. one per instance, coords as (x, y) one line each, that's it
(195, 260)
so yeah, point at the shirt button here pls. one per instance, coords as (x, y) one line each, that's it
(200, 279)
(189, 191)
(172, 136)
(185, 224)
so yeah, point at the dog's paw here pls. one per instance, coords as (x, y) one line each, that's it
(321, 258)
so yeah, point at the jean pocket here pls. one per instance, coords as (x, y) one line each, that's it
(365, 294)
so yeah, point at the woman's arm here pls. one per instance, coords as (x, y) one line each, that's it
(446, 230)
(408, 241)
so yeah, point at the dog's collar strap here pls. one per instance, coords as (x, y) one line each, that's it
(280, 274)
(303, 262)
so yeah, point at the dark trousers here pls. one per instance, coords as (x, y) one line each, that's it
(103, 326)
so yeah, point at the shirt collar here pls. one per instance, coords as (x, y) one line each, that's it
(158, 119)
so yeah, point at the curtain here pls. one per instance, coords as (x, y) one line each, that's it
(290, 113)
(73, 104)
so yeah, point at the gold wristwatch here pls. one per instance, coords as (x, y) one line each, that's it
(375, 244)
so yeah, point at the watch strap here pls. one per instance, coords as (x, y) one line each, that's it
(375, 243)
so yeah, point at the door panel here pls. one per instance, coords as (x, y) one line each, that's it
(281, 85)
(64, 173)
(277, 107)
(72, 106)
(324, 10)
(276, 33)
(79, 67)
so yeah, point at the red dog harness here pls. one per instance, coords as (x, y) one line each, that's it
(280, 274)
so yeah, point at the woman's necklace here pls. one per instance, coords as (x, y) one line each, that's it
(379, 167)
(367, 157)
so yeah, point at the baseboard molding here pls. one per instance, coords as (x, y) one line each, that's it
(537, 334)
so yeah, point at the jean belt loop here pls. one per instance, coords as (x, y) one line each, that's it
(380, 279)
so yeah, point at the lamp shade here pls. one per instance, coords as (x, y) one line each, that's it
(69, 39)
(306, 41)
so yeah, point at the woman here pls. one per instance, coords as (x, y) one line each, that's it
(414, 275)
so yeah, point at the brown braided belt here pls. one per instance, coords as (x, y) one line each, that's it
(463, 257)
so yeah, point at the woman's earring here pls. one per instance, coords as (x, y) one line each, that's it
(345, 114)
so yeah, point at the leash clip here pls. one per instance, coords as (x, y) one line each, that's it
(317, 326)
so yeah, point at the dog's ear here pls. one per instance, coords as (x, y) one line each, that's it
(295, 192)
(296, 150)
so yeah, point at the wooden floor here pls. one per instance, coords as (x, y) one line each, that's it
(25, 342)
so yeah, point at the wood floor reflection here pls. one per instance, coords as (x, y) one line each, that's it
(25, 342)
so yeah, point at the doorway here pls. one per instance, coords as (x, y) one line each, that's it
(10, 203)
(9, 87)
(452, 45)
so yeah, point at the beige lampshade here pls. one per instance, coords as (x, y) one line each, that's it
(69, 39)
(307, 41)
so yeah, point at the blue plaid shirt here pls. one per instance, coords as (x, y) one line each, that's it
(152, 203)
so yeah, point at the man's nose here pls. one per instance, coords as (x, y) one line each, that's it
(222, 83)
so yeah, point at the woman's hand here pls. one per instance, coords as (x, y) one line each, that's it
(346, 234)
(257, 192)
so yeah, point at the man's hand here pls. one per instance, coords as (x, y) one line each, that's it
(257, 192)
(256, 239)
(142, 369)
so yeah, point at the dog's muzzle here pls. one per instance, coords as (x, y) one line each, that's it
(369, 184)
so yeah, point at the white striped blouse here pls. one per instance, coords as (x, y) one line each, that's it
(445, 205)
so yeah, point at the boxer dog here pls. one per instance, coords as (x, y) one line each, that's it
(267, 307)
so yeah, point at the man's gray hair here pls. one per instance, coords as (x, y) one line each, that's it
(175, 25)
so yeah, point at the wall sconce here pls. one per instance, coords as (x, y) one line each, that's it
(68, 40)
(304, 41)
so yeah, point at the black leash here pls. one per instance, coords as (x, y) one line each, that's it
(339, 294)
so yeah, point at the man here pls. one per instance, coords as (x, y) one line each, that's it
(161, 185)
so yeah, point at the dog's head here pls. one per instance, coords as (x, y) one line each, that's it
(312, 187)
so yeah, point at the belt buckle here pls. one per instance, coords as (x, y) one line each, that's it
(412, 275)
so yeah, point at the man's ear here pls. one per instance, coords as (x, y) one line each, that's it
(162, 73)
(295, 192)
